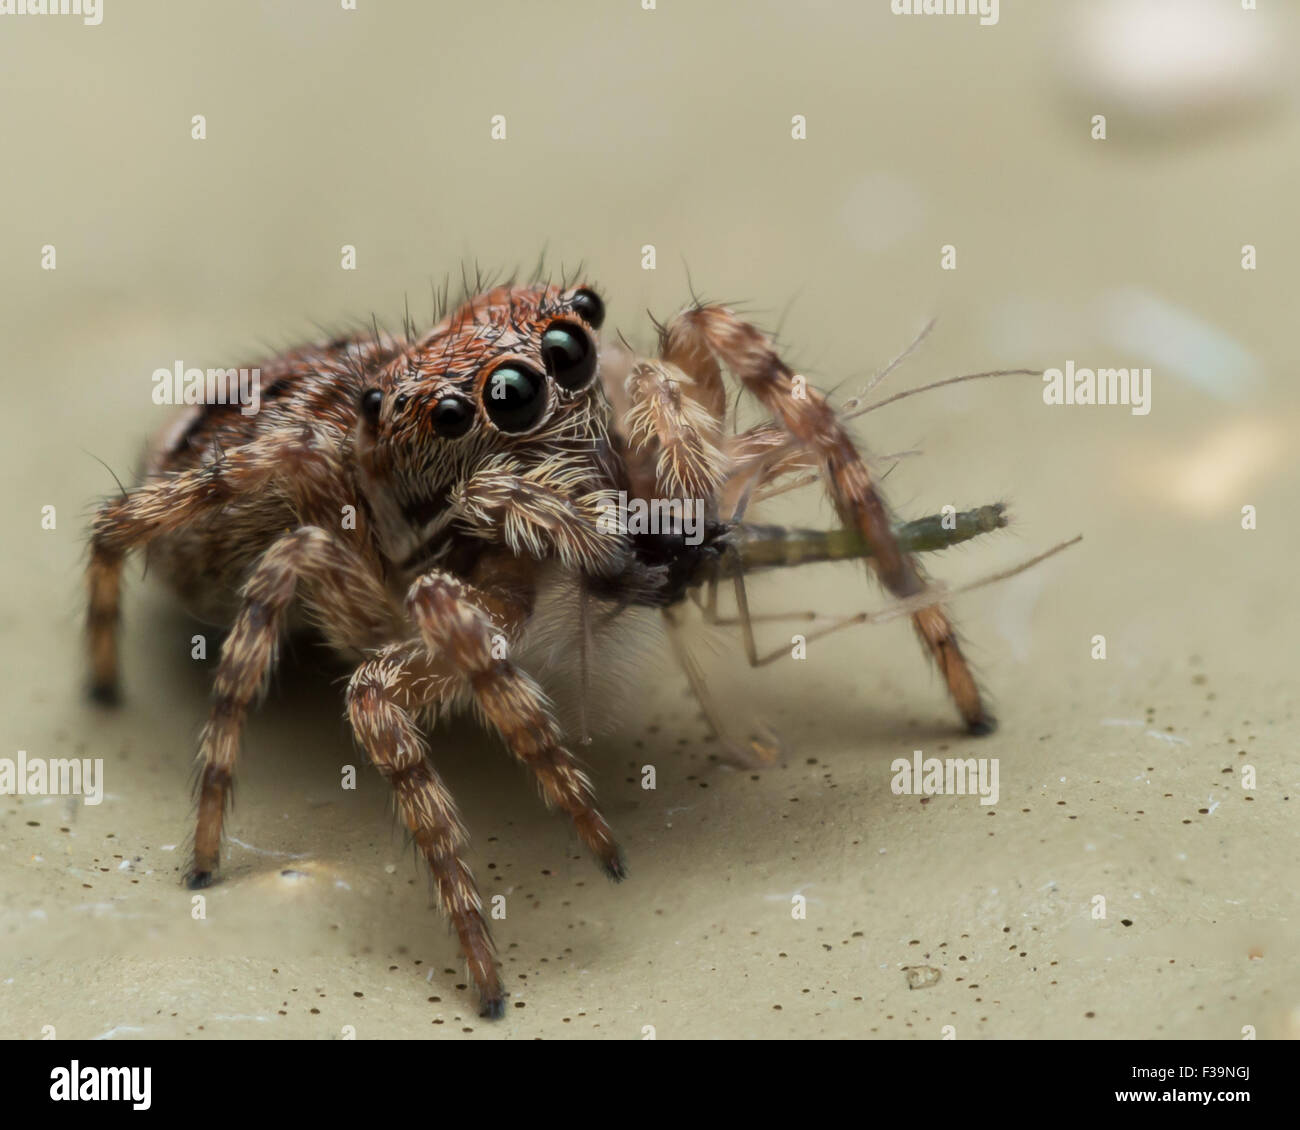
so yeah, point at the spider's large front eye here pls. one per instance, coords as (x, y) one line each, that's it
(569, 355)
(515, 397)
(372, 400)
(588, 306)
(452, 416)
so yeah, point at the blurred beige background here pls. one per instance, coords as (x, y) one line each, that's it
(672, 127)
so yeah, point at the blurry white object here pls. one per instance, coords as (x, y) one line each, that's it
(1128, 326)
(1178, 342)
(1175, 59)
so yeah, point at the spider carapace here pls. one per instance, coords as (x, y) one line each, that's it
(409, 494)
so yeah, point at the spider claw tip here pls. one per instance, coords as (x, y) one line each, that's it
(615, 867)
(106, 694)
(492, 1008)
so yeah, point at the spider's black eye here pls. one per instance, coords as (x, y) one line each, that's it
(569, 355)
(588, 306)
(514, 397)
(452, 416)
(371, 401)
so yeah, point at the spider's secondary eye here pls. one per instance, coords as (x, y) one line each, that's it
(452, 416)
(514, 397)
(371, 402)
(588, 306)
(569, 356)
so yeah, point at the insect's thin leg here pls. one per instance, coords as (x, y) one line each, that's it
(813, 476)
(760, 750)
(383, 694)
(766, 618)
(785, 488)
(805, 413)
(352, 608)
(169, 503)
(745, 619)
(454, 625)
(838, 626)
(902, 608)
(708, 604)
(768, 452)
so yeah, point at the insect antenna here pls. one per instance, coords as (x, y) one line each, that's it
(849, 405)
(856, 411)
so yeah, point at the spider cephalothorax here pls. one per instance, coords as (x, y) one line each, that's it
(509, 381)
(412, 494)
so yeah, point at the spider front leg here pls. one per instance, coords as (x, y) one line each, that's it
(542, 511)
(383, 694)
(805, 414)
(177, 500)
(667, 420)
(455, 626)
(341, 593)
(675, 423)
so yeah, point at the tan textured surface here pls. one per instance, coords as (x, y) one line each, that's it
(1118, 778)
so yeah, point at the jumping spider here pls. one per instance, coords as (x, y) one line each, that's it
(475, 461)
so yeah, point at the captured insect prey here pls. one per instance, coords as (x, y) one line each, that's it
(413, 497)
